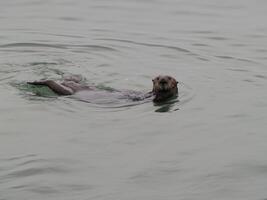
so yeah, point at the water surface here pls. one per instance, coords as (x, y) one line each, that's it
(211, 144)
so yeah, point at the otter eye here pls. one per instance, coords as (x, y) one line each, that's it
(157, 78)
(169, 78)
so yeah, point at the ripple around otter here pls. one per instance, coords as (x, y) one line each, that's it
(107, 99)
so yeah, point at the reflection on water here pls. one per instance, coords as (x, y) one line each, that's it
(207, 144)
(166, 106)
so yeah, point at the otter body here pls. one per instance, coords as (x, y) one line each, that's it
(164, 88)
(105, 97)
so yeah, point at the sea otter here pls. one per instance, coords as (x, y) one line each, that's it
(164, 88)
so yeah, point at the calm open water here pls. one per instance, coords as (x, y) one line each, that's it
(212, 144)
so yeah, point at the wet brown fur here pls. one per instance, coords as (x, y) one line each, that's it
(164, 87)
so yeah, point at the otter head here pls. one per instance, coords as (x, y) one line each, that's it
(164, 87)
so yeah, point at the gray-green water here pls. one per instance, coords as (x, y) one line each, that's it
(209, 145)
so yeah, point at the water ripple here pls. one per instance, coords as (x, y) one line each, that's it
(235, 58)
(29, 166)
(57, 46)
(35, 171)
(152, 45)
(94, 47)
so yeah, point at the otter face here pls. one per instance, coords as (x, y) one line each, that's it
(164, 87)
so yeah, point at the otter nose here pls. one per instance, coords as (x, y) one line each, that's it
(163, 81)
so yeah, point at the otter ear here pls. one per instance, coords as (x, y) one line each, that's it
(177, 82)
(153, 80)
